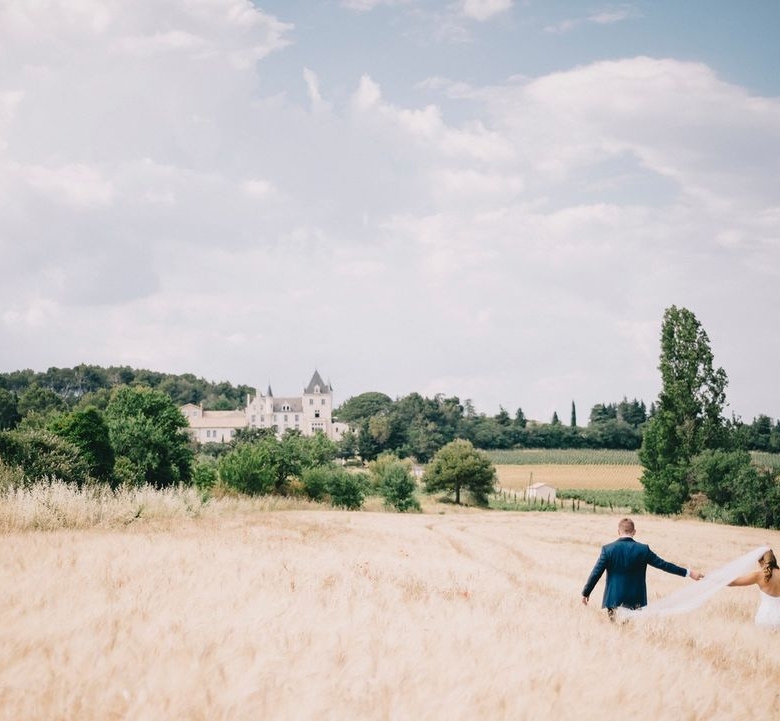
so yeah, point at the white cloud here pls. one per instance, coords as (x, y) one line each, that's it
(74, 184)
(367, 95)
(603, 17)
(157, 209)
(159, 42)
(482, 10)
(608, 17)
(367, 5)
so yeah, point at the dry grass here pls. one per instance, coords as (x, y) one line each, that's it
(58, 505)
(589, 477)
(330, 615)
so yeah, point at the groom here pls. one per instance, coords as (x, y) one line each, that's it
(626, 562)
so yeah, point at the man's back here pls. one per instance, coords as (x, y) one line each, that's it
(626, 561)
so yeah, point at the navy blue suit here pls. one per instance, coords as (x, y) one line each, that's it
(626, 562)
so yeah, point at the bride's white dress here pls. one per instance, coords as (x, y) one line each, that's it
(768, 614)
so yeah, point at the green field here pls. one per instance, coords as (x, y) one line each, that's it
(592, 457)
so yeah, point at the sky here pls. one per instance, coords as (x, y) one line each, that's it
(492, 199)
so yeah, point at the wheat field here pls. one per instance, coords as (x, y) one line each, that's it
(584, 476)
(331, 615)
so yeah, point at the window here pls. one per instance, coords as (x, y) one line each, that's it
(285, 418)
(311, 401)
(316, 414)
(322, 402)
(253, 419)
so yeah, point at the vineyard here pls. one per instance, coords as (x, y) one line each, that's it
(760, 458)
(565, 456)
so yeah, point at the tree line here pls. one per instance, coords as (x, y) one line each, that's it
(123, 426)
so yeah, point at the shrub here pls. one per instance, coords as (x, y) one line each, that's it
(347, 490)
(205, 473)
(383, 463)
(397, 488)
(249, 468)
(315, 482)
(43, 456)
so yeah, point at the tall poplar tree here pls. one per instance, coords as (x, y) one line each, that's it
(689, 412)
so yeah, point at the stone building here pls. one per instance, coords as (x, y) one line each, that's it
(310, 412)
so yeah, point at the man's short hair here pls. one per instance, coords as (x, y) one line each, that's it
(626, 526)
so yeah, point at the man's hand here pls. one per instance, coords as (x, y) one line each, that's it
(696, 575)
(585, 600)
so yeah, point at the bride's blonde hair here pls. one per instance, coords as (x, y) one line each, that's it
(768, 563)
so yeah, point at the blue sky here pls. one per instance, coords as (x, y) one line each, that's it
(493, 199)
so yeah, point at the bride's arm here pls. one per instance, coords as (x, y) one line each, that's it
(747, 580)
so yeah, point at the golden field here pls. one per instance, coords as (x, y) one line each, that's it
(239, 613)
(583, 476)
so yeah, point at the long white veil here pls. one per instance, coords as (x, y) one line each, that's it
(694, 594)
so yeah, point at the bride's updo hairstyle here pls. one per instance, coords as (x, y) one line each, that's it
(768, 564)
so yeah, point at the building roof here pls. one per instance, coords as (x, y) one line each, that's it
(295, 404)
(219, 419)
(316, 380)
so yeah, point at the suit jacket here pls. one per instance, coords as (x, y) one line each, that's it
(626, 562)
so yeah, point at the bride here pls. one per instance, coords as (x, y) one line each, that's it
(768, 583)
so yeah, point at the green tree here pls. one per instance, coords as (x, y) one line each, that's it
(632, 412)
(459, 466)
(745, 495)
(315, 482)
(347, 490)
(149, 433)
(603, 412)
(613, 433)
(348, 445)
(318, 449)
(398, 487)
(43, 456)
(369, 444)
(718, 474)
(252, 468)
(502, 417)
(36, 399)
(205, 472)
(363, 406)
(688, 418)
(87, 430)
(761, 433)
(520, 419)
(9, 409)
(486, 432)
